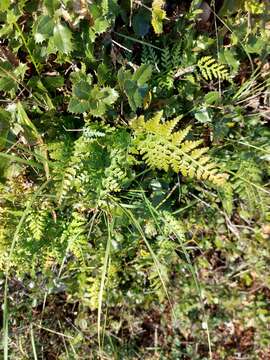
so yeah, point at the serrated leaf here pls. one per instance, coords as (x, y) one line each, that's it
(7, 81)
(94, 100)
(109, 95)
(62, 37)
(44, 28)
(78, 106)
(82, 90)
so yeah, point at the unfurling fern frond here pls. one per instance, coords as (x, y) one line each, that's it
(210, 69)
(162, 148)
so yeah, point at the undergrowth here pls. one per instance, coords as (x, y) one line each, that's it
(134, 179)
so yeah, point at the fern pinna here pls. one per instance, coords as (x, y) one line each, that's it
(163, 148)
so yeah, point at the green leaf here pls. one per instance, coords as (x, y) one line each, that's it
(230, 6)
(43, 28)
(143, 74)
(89, 98)
(54, 82)
(141, 22)
(203, 116)
(158, 15)
(4, 127)
(212, 97)
(7, 78)
(62, 37)
(52, 6)
(4, 5)
(229, 57)
(255, 45)
(134, 85)
(82, 90)
(78, 106)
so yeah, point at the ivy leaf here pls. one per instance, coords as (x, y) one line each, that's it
(135, 85)
(203, 116)
(158, 15)
(90, 98)
(143, 74)
(62, 37)
(141, 22)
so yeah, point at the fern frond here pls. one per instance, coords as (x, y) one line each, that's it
(166, 58)
(76, 237)
(247, 184)
(114, 174)
(89, 133)
(37, 222)
(176, 55)
(163, 149)
(150, 57)
(210, 69)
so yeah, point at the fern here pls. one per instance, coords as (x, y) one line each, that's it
(210, 69)
(37, 222)
(246, 190)
(163, 149)
(149, 56)
(114, 174)
(76, 237)
(247, 184)
(163, 65)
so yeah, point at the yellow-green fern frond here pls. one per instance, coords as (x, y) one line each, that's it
(163, 149)
(210, 69)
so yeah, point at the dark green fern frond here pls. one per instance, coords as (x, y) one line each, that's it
(162, 148)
